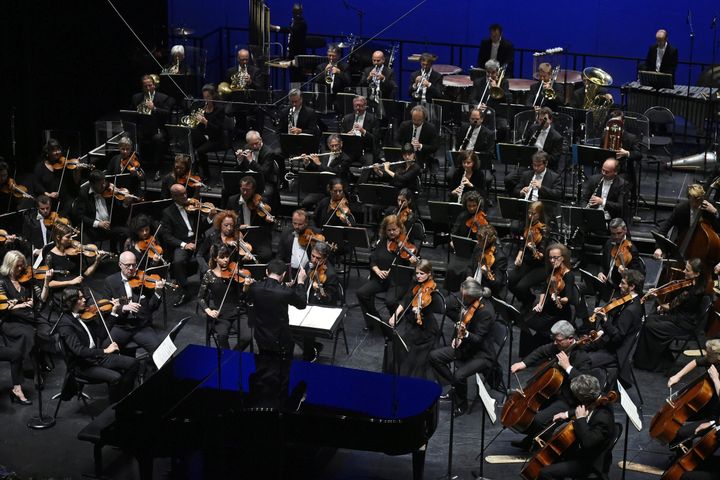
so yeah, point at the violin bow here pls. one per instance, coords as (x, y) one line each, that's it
(102, 319)
(482, 259)
(62, 176)
(145, 253)
(227, 289)
(477, 209)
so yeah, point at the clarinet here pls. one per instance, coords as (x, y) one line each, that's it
(594, 194)
(291, 114)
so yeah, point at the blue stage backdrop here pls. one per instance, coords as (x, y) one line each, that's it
(595, 27)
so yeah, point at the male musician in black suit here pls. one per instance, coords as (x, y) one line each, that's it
(133, 321)
(180, 232)
(103, 218)
(337, 163)
(297, 118)
(208, 134)
(482, 94)
(83, 341)
(537, 96)
(334, 71)
(540, 183)
(381, 73)
(473, 135)
(426, 84)
(543, 135)
(571, 361)
(270, 299)
(421, 134)
(258, 157)
(684, 212)
(473, 349)
(254, 79)
(594, 427)
(579, 94)
(612, 350)
(606, 190)
(34, 228)
(662, 57)
(498, 49)
(363, 124)
(151, 135)
(289, 248)
(259, 237)
(247, 117)
(610, 272)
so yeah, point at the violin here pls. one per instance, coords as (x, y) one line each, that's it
(38, 274)
(91, 311)
(553, 450)
(556, 284)
(141, 280)
(522, 405)
(533, 237)
(621, 254)
(618, 302)
(233, 272)
(17, 190)
(71, 164)
(669, 287)
(243, 247)
(150, 245)
(677, 408)
(476, 221)
(263, 210)
(318, 277)
(487, 259)
(120, 194)
(7, 237)
(422, 297)
(461, 326)
(402, 247)
(342, 210)
(308, 236)
(89, 250)
(50, 220)
(702, 450)
(5, 303)
(193, 181)
(194, 205)
(404, 212)
(131, 164)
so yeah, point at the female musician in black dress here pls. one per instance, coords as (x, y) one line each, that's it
(47, 178)
(219, 297)
(489, 263)
(383, 276)
(460, 263)
(335, 209)
(124, 168)
(416, 324)
(407, 213)
(179, 174)
(149, 254)
(673, 318)
(225, 232)
(468, 178)
(404, 175)
(530, 260)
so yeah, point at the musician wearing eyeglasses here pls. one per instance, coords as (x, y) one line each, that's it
(334, 161)
(363, 124)
(426, 84)
(334, 74)
(542, 135)
(540, 183)
(475, 136)
(379, 74)
(571, 360)
(675, 317)
(497, 48)
(606, 190)
(662, 57)
(256, 156)
(421, 134)
(490, 91)
(546, 92)
(297, 118)
(103, 216)
(610, 353)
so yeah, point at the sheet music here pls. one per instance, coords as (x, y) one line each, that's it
(314, 316)
(164, 352)
(629, 407)
(488, 401)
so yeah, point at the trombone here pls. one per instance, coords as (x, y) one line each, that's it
(548, 93)
(496, 92)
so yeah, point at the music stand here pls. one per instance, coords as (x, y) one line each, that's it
(443, 214)
(669, 247)
(313, 182)
(392, 154)
(464, 246)
(153, 208)
(294, 145)
(257, 270)
(593, 157)
(585, 219)
(513, 208)
(452, 112)
(388, 334)
(352, 144)
(593, 282)
(143, 122)
(353, 237)
(656, 80)
(511, 154)
(377, 194)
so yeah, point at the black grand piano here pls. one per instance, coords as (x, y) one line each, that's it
(223, 414)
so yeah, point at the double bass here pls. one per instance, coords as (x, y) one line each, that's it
(701, 240)
(702, 450)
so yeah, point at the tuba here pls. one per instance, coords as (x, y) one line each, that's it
(596, 78)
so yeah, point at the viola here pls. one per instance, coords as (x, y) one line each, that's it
(556, 284)
(533, 237)
(406, 249)
(487, 259)
(318, 277)
(308, 236)
(243, 247)
(17, 190)
(565, 438)
(618, 302)
(150, 245)
(120, 194)
(50, 220)
(71, 164)
(669, 287)
(91, 311)
(263, 210)
(233, 272)
(38, 274)
(522, 405)
(131, 164)
(7, 237)
(342, 210)
(701, 240)
(621, 254)
(476, 221)
(422, 297)
(461, 326)
(702, 450)
(404, 212)
(666, 423)
(194, 205)
(88, 250)
(193, 181)
(141, 280)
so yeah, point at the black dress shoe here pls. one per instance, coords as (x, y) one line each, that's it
(523, 444)
(460, 409)
(446, 396)
(15, 399)
(184, 298)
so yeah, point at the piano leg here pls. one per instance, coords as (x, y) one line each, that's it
(418, 458)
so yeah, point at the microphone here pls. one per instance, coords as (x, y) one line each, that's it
(713, 23)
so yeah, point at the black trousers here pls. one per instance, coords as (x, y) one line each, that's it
(566, 469)
(183, 263)
(12, 352)
(202, 155)
(118, 371)
(143, 336)
(21, 334)
(440, 360)
(366, 296)
(523, 279)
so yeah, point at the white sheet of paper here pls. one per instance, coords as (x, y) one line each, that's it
(164, 352)
(322, 318)
(488, 401)
(630, 408)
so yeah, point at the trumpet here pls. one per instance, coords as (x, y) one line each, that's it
(420, 90)
(367, 167)
(330, 74)
(375, 86)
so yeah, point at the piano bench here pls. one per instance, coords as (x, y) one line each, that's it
(93, 433)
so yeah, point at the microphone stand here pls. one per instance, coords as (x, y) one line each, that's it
(692, 48)
(360, 14)
(711, 131)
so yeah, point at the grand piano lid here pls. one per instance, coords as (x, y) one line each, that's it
(269, 382)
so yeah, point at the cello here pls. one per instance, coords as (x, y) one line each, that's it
(702, 450)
